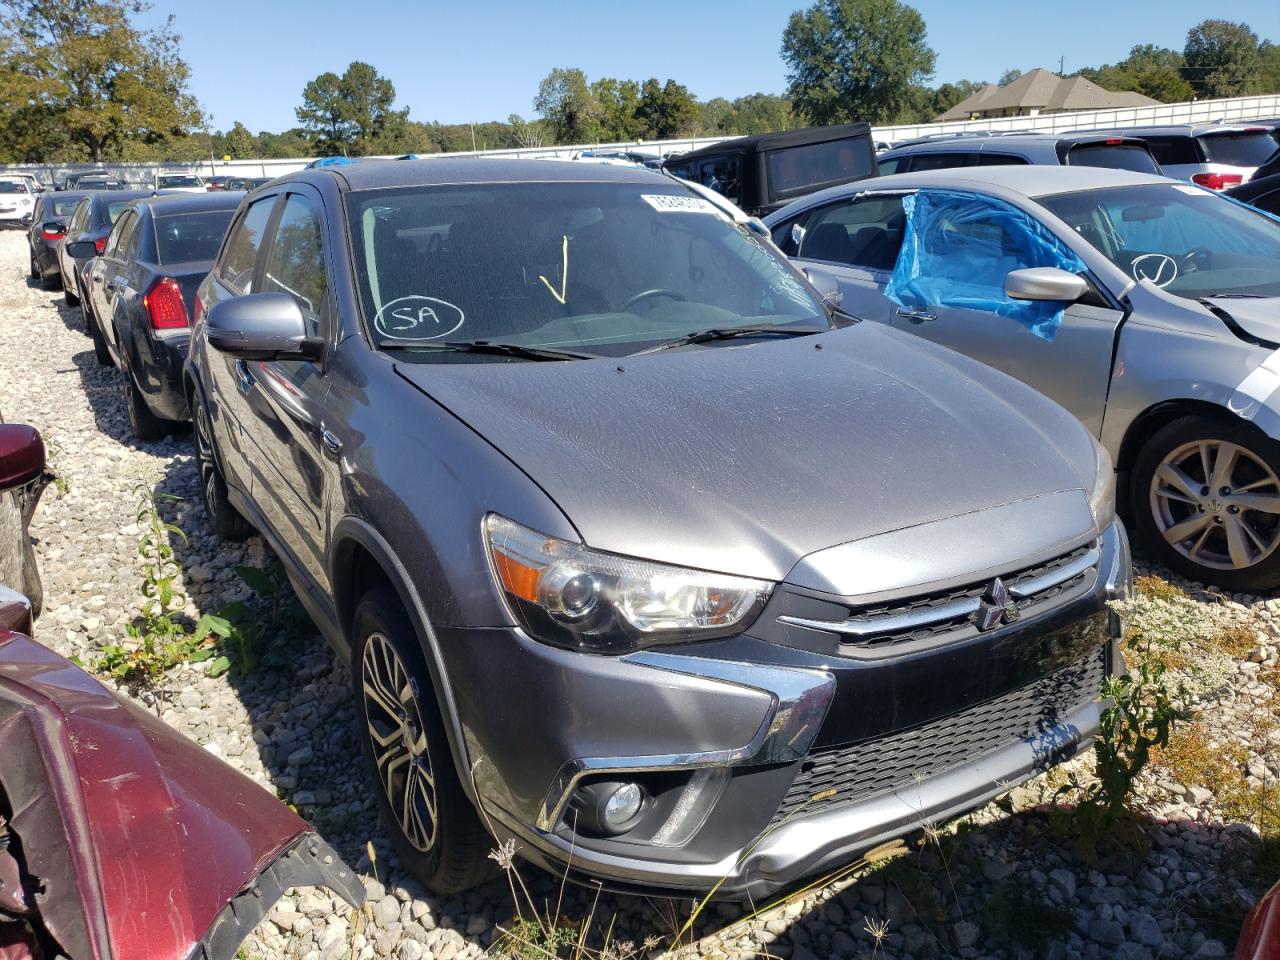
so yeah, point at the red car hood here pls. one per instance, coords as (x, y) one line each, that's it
(146, 846)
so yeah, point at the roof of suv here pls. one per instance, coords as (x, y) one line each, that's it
(997, 141)
(167, 204)
(371, 174)
(1180, 129)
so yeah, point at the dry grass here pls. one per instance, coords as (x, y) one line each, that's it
(1235, 640)
(1156, 588)
(1195, 757)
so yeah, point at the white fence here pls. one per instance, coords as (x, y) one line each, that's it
(1230, 110)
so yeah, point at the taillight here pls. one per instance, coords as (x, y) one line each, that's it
(50, 234)
(1217, 181)
(100, 244)
(165, 307)
(1114, 142)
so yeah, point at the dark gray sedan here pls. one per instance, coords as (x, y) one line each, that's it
(639, 548)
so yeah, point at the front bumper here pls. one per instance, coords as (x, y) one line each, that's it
(723, 735)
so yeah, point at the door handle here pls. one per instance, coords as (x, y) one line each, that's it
(917, 316)
(114, 285)
(244, 376)
(332, 445)
(97, 278)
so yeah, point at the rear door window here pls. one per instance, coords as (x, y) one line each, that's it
(1241, 149)
(182, 238)
(242, 248)
(1001, 160)
(1118, 156)
(80, 219)
(864, 232)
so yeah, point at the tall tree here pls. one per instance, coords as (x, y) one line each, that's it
(1269, 73)
(352, 113)
(761, 113)
(618, 101)
(523, 133)
(1010, 75)
(665, 110)
(88, 68)
(1222, 59)
(566, 103)
(240, 143)
(1151, 70)
(855, 59)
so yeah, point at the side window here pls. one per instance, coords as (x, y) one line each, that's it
(242, 249)
(865, 232)
(684, 171)
(295, 262)
(80, 219)
(942, 161)
(1269, 202)
(784, 235)
(1000, 160)
(891, 165)
(721, 175)
(1173, 150)
(120, 235)
(137, 235)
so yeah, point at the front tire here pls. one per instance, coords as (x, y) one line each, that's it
(432, 824)
(1205, 498)
(224, 519)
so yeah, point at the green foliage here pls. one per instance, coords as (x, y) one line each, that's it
(158, 639)
(81, 80)
(855, 60)
(571, 111)
(619, 100)
(1222, 59)
(1010, 75)
(267, 633)
(352, 114)
(665, 110)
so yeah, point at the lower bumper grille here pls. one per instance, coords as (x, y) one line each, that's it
(849, 774)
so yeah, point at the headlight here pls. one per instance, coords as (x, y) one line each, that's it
(566, 594)
(1102, 498)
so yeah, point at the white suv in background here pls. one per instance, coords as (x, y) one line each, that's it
(17, 200)
(1214, 155)
(179, 181)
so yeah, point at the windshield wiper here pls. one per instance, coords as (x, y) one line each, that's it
(495, 347)
(1236, 296)
(729, 333)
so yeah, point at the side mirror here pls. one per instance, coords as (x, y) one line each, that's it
(25, 219)
(826, 285)
(1045, 283)
(21, 455)
(261, 326)
(82, 249)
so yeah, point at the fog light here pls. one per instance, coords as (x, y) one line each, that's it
(607, 808)
(623, 805)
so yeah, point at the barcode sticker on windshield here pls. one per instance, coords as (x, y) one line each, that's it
(671, 203)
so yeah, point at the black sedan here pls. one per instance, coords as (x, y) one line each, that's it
(1260, 192)
(49, 219)
(140, 297)
(93, 219)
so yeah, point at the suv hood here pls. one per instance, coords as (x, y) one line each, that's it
(1257, 316)
(744, 458)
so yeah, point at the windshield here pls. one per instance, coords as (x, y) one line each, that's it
(1244, 149)
(1115, 156)
(12, 186)
(600, 268)
(191, 236)
(1185, 239)
(178, 180)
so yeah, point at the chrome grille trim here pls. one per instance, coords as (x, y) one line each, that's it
(862, 628)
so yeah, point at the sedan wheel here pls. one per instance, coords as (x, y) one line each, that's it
(1207, 497)
(398, 741)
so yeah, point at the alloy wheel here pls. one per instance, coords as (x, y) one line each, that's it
(205, 463)
(399, 740)
(1218, 504)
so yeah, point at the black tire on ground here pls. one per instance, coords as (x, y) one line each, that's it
(99, 344)
(224, 519)
(1174, 440)
(34, 268)
(144, 424)
(456, 857)
(70, 298)
(48, 282)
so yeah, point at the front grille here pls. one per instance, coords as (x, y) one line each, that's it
(899, 760)
(952, 613)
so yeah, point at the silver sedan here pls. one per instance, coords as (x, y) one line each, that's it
(1147, 307)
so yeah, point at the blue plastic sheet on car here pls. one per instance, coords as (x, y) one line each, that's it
(958, 248)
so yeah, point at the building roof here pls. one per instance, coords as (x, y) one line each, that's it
(1044, 91)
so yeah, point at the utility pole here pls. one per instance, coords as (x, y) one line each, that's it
(1062, 66)
(473, 136)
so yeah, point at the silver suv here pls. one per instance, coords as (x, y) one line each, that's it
(1213, 155)
(982, 149)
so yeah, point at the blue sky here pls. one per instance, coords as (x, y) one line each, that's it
(481, 60)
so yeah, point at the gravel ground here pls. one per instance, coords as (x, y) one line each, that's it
(1004, 883)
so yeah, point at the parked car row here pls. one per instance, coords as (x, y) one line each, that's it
(575, 423)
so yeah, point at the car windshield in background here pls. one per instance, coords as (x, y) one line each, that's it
(1243, 149)
(606, 268)
(1114, 156)
(191, 236)
(1185, 239)
(180, 180)
(65, 207)
(115, 209)
(795, 170)
(10, 186)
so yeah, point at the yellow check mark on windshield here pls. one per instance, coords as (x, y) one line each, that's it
(564, 272)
